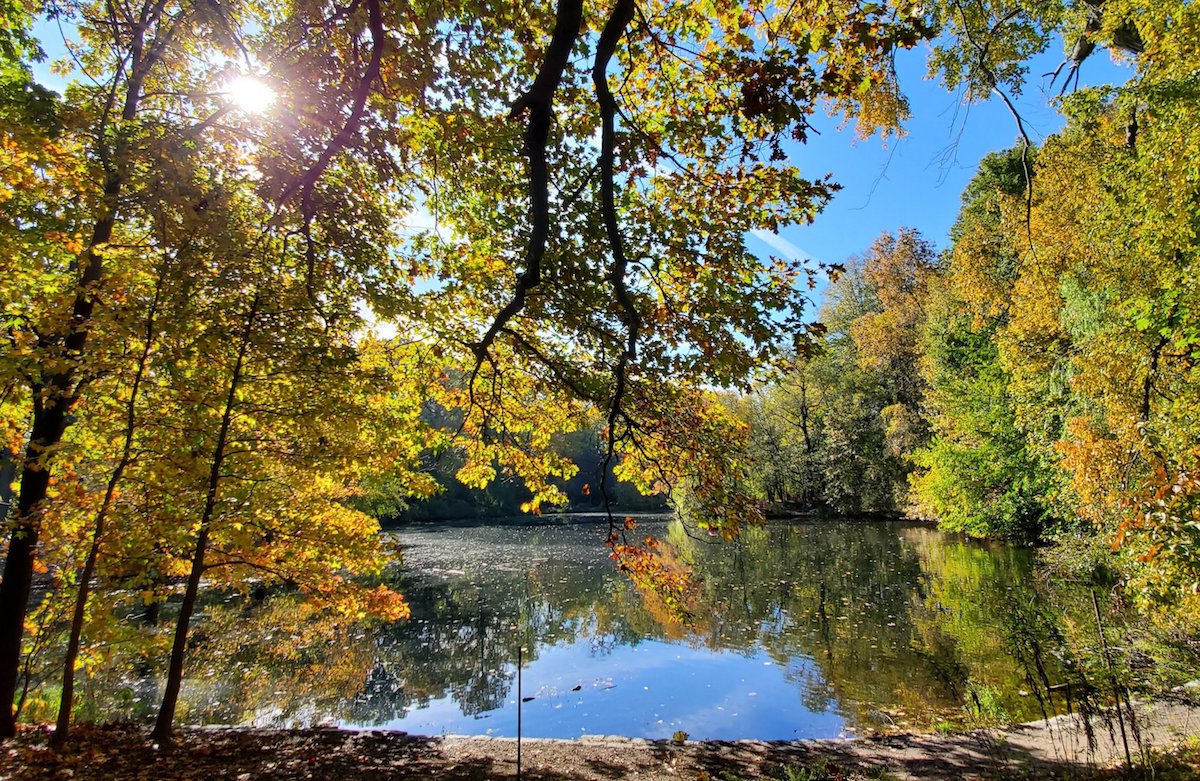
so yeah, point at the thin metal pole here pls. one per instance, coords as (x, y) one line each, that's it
(519, 701)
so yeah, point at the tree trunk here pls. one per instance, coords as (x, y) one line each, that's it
(67, 698)
(54, 397)
(808, 499)
(8, 474)
(48, 425)
(164, 725)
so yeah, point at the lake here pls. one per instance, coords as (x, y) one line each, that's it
(800, 630)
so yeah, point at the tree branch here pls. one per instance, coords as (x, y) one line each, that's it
(538, 102)
(993, 82)
(618, 21)
(304, 185)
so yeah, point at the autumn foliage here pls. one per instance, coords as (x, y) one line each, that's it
(232, 320)
(1044, 381)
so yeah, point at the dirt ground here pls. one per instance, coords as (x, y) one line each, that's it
(1057, 748)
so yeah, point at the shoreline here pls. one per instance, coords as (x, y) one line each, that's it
(1048, 748)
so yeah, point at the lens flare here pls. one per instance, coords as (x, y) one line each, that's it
(249, 94)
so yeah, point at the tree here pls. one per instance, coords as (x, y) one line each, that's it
(980, 474)
(51, 353)
(1128, 310)
(782, 442)
(977, 474)
(161, 172)
(583, 277)
(900, 269)
(837, 428)
(294, 414)
(125, 458)
(1091, 319)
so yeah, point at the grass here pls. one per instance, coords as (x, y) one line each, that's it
(1181, 763)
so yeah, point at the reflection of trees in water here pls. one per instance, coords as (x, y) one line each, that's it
(381, 698)
(895, 617)
(984, 599)
(875, 616)
(816, 692)
(463, 637)
(809, 591)
(869, 617)
(457, 644)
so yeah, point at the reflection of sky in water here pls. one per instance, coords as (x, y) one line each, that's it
(647, 690)
(806, 630)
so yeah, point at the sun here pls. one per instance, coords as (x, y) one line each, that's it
(249, 94)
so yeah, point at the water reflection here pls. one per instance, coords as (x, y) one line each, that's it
(801, 630)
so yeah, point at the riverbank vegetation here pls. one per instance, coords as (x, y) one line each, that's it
(1037, 380)
(212, 229)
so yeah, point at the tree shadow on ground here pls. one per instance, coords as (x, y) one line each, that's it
(125, 753)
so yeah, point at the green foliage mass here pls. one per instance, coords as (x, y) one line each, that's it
(976, 475)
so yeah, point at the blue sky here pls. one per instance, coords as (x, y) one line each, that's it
(917, 180)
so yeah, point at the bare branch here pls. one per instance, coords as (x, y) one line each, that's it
(993, 82)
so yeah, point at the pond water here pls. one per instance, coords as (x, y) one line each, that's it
(800, 630)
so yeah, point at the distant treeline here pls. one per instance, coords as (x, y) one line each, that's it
(508, 496)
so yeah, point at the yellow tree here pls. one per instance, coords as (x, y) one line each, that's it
(61, 280)
(560, 273)
(900, 268)
(1096, 327)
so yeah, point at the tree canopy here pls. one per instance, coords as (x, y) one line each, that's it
(550, 203)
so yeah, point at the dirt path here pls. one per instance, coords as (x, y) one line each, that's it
(1057, 748)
